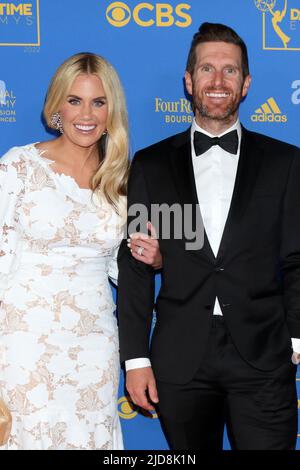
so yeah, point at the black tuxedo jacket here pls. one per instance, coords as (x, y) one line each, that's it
(255, 275)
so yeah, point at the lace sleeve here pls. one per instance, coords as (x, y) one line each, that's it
(12, 173)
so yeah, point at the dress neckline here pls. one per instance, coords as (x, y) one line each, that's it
(48, 161)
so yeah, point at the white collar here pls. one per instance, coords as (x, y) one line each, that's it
(235, 126)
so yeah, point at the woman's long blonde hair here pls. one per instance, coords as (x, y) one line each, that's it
(110, 179)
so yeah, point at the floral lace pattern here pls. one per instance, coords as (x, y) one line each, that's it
(59, 360)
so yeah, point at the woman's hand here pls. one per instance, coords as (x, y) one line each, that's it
(145, 248)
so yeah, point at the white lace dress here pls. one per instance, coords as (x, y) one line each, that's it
(59, 354)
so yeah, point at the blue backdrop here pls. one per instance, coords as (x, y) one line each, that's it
(147, 42)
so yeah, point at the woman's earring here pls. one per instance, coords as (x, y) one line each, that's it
(56, 122)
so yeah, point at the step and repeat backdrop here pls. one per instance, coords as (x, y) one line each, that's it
(147, 42)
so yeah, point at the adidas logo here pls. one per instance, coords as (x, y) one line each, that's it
(269, 112)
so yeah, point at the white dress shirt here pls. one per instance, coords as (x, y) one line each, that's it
(215, 173)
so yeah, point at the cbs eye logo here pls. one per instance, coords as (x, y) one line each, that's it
(128, 410)
(118, 14)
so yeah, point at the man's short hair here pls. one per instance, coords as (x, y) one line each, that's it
(216, 32)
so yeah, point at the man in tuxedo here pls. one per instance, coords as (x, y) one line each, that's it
(227, 335)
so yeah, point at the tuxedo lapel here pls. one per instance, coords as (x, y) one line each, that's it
(183, 173)
(182, 169)
(249, 163)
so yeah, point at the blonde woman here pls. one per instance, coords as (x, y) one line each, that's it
(63, 205)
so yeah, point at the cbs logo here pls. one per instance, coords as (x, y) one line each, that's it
(128, 410)
(118, 14)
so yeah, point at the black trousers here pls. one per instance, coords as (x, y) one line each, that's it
(259, 408)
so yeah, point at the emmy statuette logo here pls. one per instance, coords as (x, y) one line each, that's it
(280, 24)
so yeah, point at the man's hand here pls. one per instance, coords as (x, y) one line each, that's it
(141, 386)
(296, 358)
(145, 248)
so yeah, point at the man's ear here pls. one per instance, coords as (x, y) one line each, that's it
(246, 85)
(188, 83)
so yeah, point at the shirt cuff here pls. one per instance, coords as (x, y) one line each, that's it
(137, 363)
(296, 345)
(296, 351)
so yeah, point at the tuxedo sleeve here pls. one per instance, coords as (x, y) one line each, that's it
(136, 281)
(290, 247)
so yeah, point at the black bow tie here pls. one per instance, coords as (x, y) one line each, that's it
(228, 142)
